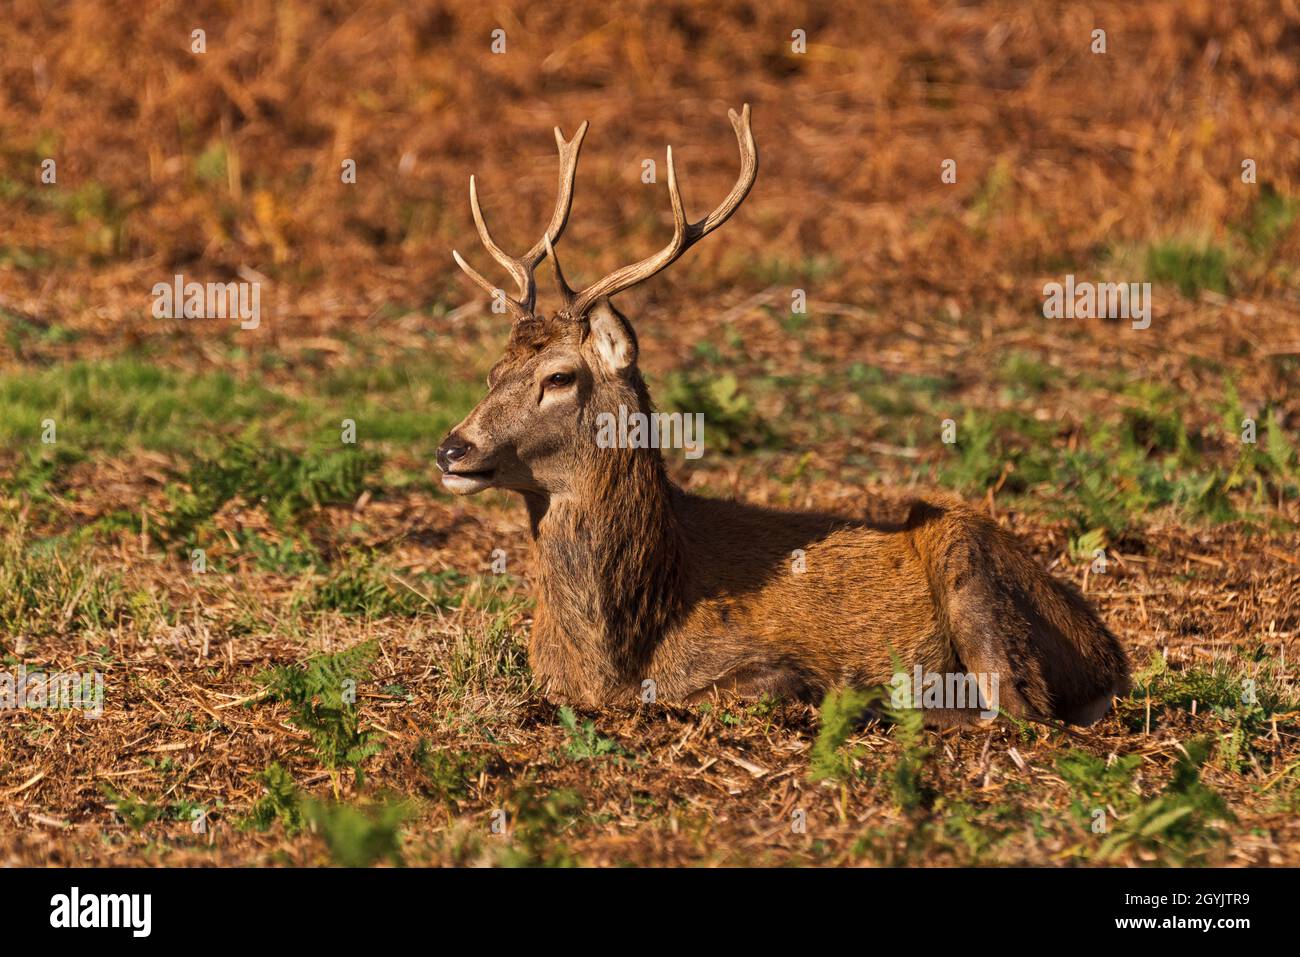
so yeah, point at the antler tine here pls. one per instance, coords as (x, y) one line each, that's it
(685, 233)
(566, 294)
(564, 194)
(521, 268)
(511, 264)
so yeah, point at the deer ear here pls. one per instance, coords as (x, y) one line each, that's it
(612, 338)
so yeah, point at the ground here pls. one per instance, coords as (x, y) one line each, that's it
(181, 513)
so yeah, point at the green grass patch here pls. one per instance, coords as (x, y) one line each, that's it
(127, 402)
(1141, 457)
(1244, 697)
(130, 403)
(362, 587)
(1190, 267)
(133, 811)
(1097, 783)
(1268, 220)
(49, 590)
(988, 442)
(537, 824)
(1181, 821)
(291, 553)
(893, 394)
(366, 590)
(482, 662)
(1247, 255)
(783, 271)
(1025, 375)
(20, 332)
(906, 783)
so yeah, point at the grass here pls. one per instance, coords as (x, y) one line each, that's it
(46, 590)
(987, 443)
(905, 778)
(538, 823)
(20, 333)
(1098, 785)
(1190, 267)
(358, 587)
(131, 403)
(128, 402)
(1269, 218)
(293, 553)
(482, 659)
(1104, 476)
(449, 775)
(133, 811)
(732, 423)
(1246, 258)
(98, 215)
(1141, 458)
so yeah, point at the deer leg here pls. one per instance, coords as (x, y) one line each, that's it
(754, 680)
(944, 718)
(991, 632)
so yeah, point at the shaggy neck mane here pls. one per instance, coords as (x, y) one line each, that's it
(610, 561)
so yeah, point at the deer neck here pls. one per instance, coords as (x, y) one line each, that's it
(610, 562)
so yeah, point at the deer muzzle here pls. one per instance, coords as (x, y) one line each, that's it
(459, 476)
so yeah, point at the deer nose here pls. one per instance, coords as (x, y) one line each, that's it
(453, 449)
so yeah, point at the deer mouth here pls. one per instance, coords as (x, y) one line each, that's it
(467, 483)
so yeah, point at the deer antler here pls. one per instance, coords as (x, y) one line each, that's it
(685, 234)
(523, 267)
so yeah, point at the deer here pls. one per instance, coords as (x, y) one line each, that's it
(642, 586)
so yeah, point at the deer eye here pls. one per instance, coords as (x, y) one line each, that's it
(559, 380)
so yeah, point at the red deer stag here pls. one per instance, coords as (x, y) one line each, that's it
(640, 581)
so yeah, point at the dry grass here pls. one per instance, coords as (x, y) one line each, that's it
(924, 304)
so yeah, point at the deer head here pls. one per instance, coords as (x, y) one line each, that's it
(535, 429)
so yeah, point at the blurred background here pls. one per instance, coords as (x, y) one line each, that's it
(1124, 165)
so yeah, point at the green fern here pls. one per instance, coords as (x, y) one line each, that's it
(840, 713)
(584, 741)
(906, 784)
(1181, 820)
(286, 483)
(360, 836)
(282, 802)
(321, 694)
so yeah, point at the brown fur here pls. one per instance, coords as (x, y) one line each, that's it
(640, 580)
